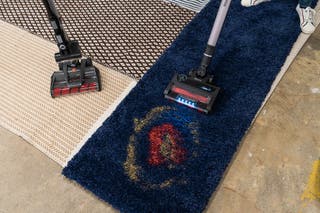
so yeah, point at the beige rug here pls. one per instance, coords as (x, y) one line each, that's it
(58, 127)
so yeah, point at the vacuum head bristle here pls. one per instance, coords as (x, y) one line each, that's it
(75, 77)
(193, 92)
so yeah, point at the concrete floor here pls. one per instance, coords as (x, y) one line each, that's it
(269, 173)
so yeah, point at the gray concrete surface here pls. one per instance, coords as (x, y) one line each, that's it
(268, 174)
(31, 182)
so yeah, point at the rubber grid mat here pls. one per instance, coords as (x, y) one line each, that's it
(127, 35)
(194, 5)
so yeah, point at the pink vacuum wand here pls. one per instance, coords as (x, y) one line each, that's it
(214, 35)
(196, 89)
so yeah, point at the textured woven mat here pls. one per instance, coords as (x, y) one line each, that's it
(55, 126)
(128, 35)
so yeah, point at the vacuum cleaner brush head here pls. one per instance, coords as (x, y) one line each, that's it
(75, 77)
(193, 92)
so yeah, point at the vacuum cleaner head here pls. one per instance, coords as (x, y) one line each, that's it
(197, 93)
(75, 76)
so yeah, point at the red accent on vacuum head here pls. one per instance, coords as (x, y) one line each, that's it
(190, 95)
(86, 87)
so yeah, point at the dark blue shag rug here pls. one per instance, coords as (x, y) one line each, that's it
(152, 155)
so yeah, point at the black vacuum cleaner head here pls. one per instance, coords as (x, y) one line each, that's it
(74, 77)
(197, 93)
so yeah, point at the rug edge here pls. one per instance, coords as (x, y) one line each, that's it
(29, 141)
(297, 46)
(100, 121)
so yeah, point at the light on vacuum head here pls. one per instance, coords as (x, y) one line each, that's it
(187, 102)
(190, 95)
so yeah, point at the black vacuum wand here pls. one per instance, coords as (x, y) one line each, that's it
(196, 89)
(76, 74)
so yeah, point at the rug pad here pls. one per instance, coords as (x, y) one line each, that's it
(127, 35)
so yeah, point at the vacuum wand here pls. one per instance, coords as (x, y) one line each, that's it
(196, 89)
(75, 74)
(214, 35)
(56, 24)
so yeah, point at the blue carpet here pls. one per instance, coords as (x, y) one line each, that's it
(152, 155)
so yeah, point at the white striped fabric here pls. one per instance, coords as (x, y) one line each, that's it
(194, 5)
